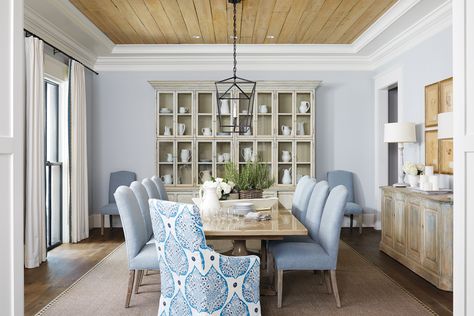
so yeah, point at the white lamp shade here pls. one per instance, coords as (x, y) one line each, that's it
(400, 132)
(445, 125)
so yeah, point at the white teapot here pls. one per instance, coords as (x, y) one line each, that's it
(286, 179)
(210, 204)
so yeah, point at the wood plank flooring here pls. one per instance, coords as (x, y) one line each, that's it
(367, 245)
(67, 263)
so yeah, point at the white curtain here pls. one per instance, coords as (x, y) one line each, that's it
(78, 153)
(35, 224)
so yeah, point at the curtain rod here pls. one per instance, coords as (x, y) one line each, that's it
(28, 34)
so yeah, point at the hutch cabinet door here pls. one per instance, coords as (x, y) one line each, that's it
(430, 255)
(399, 225)
(414, 230)
(387, 220)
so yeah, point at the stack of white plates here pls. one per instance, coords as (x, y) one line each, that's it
(243, 208)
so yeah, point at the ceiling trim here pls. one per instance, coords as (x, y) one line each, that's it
(41, 27)
(102, 55)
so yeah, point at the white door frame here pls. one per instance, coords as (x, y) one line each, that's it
(382, 82)
(12, 117)
(463, 115)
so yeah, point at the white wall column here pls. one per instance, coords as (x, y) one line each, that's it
(11, 156)
(463, 46)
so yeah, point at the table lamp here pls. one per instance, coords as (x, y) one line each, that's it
(401, 133)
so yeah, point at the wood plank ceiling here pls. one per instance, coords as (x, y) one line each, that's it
(210, 21)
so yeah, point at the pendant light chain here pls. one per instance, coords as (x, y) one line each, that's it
(235, 40)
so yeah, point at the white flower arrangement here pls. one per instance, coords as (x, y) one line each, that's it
(223, 189)
(413, 169)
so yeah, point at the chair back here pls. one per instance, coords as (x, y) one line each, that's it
(132, 221)
(331, 221)
(151, 189)
(342, 177)
(315, 208)
(303, 191)
(142, 198)
(119, 178)
(161, 188)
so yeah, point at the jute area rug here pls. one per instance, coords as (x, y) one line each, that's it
(363, 288)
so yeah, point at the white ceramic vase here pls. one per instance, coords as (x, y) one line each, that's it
(413, 180)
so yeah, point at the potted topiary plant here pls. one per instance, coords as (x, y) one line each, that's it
(251, 180)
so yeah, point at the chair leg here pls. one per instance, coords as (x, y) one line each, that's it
(361, 220)
(328, 281)
(263, 254)
(131, 278)
(334, 288)
(352, 220)
(279, 287)
(102, 224)
(321, 277)
(110, 221)
(138, 282)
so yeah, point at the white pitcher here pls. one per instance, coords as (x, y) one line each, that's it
(185, 155)
(225, 107)
(285, 155)
(285, 130)
(167, 131)
(304, 106)
(286, 179)
(205, 175)
(167, 179)
(210, 204)
(181, 129)
(299, 128)
(247, 154)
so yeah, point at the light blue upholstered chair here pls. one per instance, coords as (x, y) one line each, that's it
(320, 254)
(151, 189)
(116, 179)
(161, 188)
(303, 191)
(142, 198)
(346, 178)
(196, 280)
(141, 256)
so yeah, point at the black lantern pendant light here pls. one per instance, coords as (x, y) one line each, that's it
(235, 95)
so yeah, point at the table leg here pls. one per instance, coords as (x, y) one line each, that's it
(240, 248)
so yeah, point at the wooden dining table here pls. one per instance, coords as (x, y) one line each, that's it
(239, 229)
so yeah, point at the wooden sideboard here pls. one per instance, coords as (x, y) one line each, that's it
(417, 231)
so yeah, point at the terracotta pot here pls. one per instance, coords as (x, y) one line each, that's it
(251, 194)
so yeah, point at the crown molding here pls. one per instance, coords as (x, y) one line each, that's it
(431, 24)
(56, 37)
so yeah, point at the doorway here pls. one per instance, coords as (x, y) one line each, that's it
(392, 147)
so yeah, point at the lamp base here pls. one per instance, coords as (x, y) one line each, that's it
(399, 185)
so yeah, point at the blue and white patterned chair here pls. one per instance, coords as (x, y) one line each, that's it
(196, 280)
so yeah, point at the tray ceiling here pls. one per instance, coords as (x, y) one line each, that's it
(210, 21)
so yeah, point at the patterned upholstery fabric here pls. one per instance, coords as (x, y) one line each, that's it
(196, 280)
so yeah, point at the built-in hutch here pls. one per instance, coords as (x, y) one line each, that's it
(193, 103)
(417, 230)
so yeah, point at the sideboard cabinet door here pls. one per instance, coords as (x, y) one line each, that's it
(399, 224)
(414, 230)
(430, 256)
(387, 220)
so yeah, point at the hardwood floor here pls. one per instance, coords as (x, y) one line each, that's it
(67, 263)
(367, 245)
